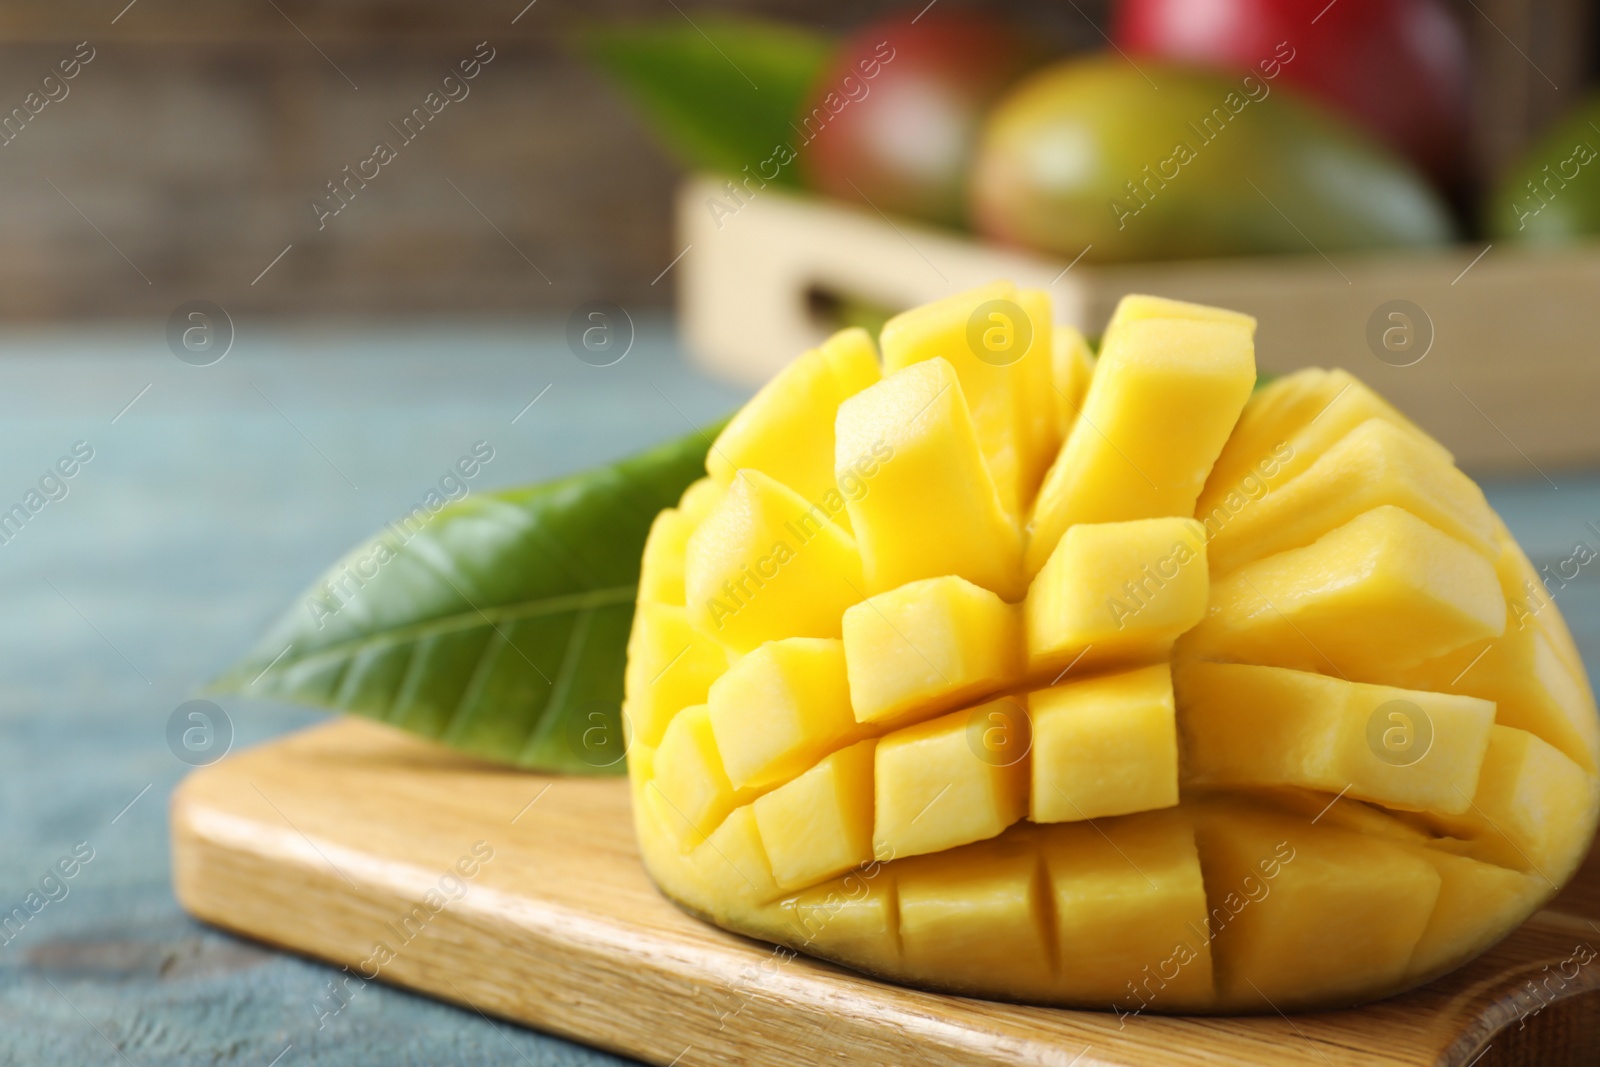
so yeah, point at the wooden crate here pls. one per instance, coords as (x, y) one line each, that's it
(1508, 382)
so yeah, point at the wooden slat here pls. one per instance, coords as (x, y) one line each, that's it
(325, 841)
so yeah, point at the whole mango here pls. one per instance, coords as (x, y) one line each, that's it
(893, 121)
(1552, 196)
(1399, 68)
(1097, 156)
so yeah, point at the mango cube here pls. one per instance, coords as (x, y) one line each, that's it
(1139, 307)
(733, 864)
(1528, 671)
(1038, 379)
(641, 762)
(786, 429)
(780, 709)
(1382, 592)
(1130, 912)
(1528, 599)
(661, 568)
(1377, 463)
(1116, 593)
(1350, 404)
(1104, 746)
(977, 916)
(766, 565)
(671, 666)
(820, 824)
(1190, 379)
(1533, 689)
(1528, 794)
(1285, 428)
(660, 844)
(1478, 904)
(689, 778)
(938, 785)
(1268, 726)
(926, 505)
(1072, 366)
(1305, 913)
(857, 916)
(929, 646)
(702, 495)
(998, 341)
(1256, 456)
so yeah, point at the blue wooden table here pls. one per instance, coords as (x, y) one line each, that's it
(207, 505)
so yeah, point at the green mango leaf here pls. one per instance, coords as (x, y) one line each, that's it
(720, 92)
(497, 625)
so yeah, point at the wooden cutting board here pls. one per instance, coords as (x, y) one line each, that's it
(523, 897)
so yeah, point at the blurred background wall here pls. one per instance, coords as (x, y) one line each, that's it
(185, 156)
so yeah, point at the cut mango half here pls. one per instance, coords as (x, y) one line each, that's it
(996, 668)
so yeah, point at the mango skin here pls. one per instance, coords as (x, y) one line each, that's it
(1279, 176)
(915, 95)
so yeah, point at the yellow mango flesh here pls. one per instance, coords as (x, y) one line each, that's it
(856, 917)
(1072, 365)
(732, 864)
(1296, 742)
(1116, 593)
(938, 785)
(1130, 910)
(671, 666)
(689, 779)
(780, 709)
(1255, 460)
(1382, 592)
(786, 430)
(1136, 307)
(909, 444)
(1304, 914)
(977, 917)
(1375, 464)
(661, 572)
(1528, 795)
(1284, 429)
(1268, 726)
(1478, 904)
(998, 341)
(765, 564)
(1104, 746)
(702, 495)
(1527, 597)
(1036, 379)
(658, 829)
(1189, 377)
(929, 646)
(1530, 671)
(820, 824)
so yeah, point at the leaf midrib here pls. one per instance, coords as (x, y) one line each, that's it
(472, 616)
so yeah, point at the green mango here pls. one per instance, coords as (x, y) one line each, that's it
(1552, 196)
(1165, 162)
